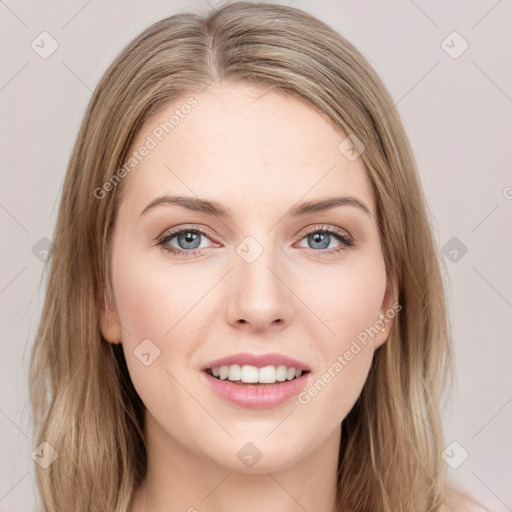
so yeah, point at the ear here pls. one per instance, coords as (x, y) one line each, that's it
(109, 323)
(388, 311)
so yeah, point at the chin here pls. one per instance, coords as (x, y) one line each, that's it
(256, 456)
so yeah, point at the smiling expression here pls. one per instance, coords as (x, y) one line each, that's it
(245, 230)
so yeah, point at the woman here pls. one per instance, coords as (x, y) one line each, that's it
(244, 304)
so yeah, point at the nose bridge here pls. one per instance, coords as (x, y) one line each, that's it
(258, 295)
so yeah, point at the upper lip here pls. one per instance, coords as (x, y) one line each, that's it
(259, 360)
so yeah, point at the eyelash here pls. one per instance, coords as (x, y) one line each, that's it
(163, 241)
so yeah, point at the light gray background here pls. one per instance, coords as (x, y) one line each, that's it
(457, 112)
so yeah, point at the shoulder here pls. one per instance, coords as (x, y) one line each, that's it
(458, 500)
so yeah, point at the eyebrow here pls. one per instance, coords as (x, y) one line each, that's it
(218, 209)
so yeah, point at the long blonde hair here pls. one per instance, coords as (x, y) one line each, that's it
(84, 403)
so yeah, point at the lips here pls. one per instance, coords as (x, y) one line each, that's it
(258, 395)
(259, 360)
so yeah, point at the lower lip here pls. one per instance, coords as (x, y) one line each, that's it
(257, 396)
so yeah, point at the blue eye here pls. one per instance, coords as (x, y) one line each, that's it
(321, 239)
(188, 241)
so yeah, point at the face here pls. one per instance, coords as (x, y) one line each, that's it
(269, 277)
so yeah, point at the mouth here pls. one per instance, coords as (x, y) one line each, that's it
(256, 387)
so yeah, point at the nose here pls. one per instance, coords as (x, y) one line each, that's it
(258, 298)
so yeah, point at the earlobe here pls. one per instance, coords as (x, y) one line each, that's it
(109, 325)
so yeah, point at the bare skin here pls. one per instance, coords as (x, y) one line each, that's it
(259, 155)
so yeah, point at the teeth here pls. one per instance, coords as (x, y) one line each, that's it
(281, 373)
(234, 372)
(223, 372)
(253, 375)
(249, 374)
(267, 375)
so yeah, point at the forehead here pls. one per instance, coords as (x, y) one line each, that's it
(243, 145)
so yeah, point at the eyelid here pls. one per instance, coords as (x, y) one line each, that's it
(343, 236)
(325, 227)
(304, 232)
(346, 240)
(190, 227)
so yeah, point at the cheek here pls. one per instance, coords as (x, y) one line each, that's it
(347, 298)
(348, 301)
(153, 296)
(160, 309)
